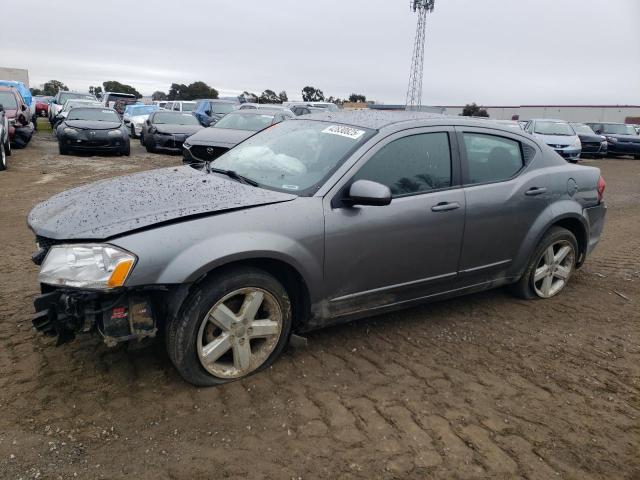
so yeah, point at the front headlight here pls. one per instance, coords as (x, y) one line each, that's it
(186, 144)
(70, 131)
(576, 144)
(612, 139)
(92, 266)
(115, 133)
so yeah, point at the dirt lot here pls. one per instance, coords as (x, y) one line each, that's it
(477, 387)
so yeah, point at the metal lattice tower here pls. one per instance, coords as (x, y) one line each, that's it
(414, 92)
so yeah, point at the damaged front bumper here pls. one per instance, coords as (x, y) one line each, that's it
(118, 317)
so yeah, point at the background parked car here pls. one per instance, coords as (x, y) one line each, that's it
(511, 124)
(42, 106)
(268, 106)
(18, 116)
(24, 92)
(592, 143)
(135, 116)
(118, 101)
(622, 138)
(180, 106)
(159, 103)
(559, 135)
(69, 104)
(209, 143)
(209, 111)
(93, 129)
(305, 110)
(326, 106)
(167, 130)
(56, 105)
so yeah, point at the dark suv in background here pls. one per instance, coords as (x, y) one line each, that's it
(210, 111)
(592, 143)
(622, 139)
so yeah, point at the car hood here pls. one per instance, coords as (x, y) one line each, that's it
(92, 125)
(219, 136)
(178, 129)
(584, 137)
(556, 139)
(112, 207)
(627, 138)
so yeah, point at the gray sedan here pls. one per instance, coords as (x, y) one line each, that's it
(310, 222)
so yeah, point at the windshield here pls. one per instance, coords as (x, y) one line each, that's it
(8, 101)
(94, 114)
(169, 118)
(140, 110)
(69, 104)
(294, 157)
(554, 128)
(221, 107)
(332, 107)
(239, 121)
(618, 129)
(188, 106)
(67, 95)
(583, 129)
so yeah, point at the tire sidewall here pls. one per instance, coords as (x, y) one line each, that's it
(183, 331)
(554, 235)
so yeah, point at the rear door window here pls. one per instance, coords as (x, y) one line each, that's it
(491, 158)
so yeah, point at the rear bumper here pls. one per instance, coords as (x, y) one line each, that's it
(596, 217)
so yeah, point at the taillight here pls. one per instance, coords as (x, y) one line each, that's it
(601, 186)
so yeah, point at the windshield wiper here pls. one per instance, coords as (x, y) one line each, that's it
(231, 174)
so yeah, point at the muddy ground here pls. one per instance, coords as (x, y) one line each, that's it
(485, 386)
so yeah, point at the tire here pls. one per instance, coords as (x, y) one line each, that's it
(133, 131)
(62, 149)
(150, 149)
(194, 329)
(637, 157)
(3, 158)
(127, 150)
(7, 147)
(560, 273)
(142, 139)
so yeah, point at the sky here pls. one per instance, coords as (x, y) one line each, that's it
(492, 52)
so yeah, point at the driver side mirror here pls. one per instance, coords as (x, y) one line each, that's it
(366, 192)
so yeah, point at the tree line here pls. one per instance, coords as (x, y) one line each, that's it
(196, 90)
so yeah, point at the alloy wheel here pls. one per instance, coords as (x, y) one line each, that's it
(554, 269)
(239, 333)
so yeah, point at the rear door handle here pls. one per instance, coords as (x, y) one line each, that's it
(532, 192)
(445, 206)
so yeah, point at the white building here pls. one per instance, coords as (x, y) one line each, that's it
(570, 113)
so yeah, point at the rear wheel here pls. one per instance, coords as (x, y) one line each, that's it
(551, 266)
(233, 325)
(7, 147)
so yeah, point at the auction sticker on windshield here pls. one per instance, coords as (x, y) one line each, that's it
(344, 131)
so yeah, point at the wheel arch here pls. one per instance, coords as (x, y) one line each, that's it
(290, 278)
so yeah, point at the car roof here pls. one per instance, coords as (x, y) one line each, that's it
(256, 111)
(547, 120)
(377, 119)
(4, 88)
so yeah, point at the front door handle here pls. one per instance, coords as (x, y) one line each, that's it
(445, 206)
(532, 192)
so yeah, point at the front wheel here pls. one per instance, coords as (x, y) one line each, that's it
(7, 147)
(551, 266)
(233, 325)
(62, 149)
(127, 150)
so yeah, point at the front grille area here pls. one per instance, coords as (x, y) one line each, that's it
(590, 146)
(202, 152)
